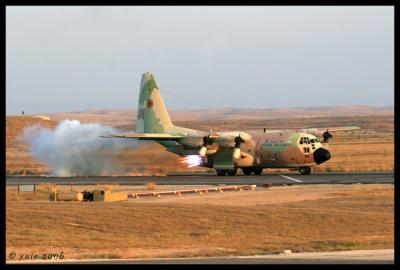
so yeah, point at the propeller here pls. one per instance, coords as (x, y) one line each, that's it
(236, 151)
(210, 139)
(207, 140)
(326, 135)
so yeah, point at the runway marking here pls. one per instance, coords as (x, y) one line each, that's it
(290, 178)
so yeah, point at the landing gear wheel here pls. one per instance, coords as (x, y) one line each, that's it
(221, 172)
(232, 172)
(247, 171)
(305, 170)
(257, 171)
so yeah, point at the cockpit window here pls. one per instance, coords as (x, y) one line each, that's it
(304, 140)
(312, 141)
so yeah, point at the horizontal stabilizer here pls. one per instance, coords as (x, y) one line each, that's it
(148, 136)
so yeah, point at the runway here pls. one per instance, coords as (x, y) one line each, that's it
(213, 179)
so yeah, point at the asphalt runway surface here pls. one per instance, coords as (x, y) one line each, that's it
(213, 179)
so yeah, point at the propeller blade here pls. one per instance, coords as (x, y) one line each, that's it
(207, 140)
(326, 135)
(236, 151)
(238, 141)
(203, 151)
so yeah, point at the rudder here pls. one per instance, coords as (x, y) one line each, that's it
(152, 114)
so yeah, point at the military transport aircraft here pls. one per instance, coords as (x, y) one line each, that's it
(227, 151)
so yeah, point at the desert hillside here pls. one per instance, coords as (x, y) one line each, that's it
(128, 116)
(18, 158)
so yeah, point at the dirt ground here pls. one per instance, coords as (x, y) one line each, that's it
(264, 221)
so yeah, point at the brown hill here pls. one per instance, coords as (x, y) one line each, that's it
(121, 117)
(18, 158)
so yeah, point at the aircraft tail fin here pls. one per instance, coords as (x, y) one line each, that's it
(152, 114)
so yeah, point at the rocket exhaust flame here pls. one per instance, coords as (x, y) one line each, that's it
(191, 161)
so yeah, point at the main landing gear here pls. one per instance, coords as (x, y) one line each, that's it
(228, 172)
(249, 170)
(305, 170)
(257, 171)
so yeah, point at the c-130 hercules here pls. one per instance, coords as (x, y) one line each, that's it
(226, 151)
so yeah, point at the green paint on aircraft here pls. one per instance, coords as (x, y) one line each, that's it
(226, 151)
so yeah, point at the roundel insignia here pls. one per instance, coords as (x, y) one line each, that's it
(149, 103)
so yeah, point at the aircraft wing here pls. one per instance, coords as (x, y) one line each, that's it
(316, 131)
(330, 129)
(326, 132)
(148, 136)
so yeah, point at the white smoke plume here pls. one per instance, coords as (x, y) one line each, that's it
(75, 149)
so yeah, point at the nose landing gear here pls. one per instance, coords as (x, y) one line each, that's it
(305, 170)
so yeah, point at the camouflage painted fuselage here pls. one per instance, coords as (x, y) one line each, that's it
(262, 150)
(266, 150)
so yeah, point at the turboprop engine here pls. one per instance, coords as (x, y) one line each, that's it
(194, 141)
(212, 142)
(207, 142)
(236, 151)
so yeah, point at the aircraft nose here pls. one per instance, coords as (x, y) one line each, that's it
(321, 155)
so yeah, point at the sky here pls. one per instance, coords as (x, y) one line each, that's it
(67, 58)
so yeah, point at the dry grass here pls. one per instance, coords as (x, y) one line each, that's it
(365, 157)
(348, 217)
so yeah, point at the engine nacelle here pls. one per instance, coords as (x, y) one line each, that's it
(204, 151)
(246, 160)
(227, 139)
(192, 141)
